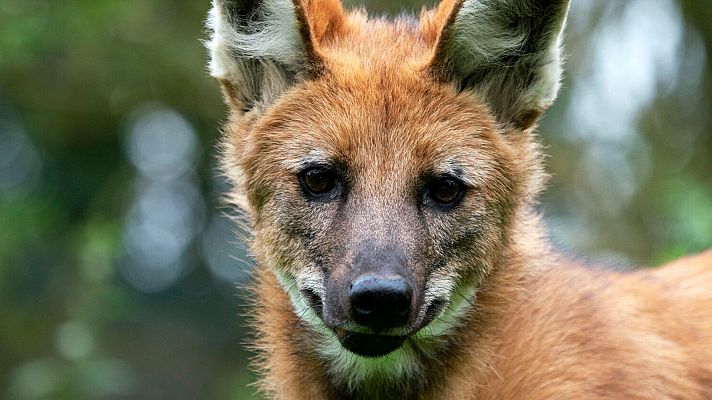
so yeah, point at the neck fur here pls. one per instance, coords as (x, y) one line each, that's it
(463, 328)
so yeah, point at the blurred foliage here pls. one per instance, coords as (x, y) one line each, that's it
(85, 87)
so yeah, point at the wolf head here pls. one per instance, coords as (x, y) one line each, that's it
(382, 164)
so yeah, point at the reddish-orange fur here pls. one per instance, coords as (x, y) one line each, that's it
(543, 327)
(564, 331)
(558, 331)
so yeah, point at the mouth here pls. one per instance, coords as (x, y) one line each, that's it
(369, 345)
(378, 345)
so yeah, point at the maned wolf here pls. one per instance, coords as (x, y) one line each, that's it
(390, 172)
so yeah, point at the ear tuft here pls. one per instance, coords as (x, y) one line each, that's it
(507, 51)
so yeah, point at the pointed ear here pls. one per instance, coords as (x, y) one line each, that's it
(507, 51)
(259, 48)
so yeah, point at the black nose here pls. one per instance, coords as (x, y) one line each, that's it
(380, 302)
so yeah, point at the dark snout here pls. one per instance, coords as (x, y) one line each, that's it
(380, 301)
(372, 303)
(380, 291)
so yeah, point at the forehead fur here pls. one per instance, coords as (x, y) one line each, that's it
(370, 120)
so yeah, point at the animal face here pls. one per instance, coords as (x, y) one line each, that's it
(380, 166)
(348, 193)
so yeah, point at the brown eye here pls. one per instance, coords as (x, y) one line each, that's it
(318, 180)
(445, 191)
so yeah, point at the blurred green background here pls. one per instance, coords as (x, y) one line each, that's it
(120, 274)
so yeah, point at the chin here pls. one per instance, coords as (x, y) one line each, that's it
(370, 345)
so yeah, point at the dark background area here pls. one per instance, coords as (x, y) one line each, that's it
(119, 271)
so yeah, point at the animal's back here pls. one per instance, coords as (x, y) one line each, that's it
(587, 333)
(686, 290)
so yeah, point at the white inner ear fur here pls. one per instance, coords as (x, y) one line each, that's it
(543, 92)
(482, 38)
(249, 56)
(479, 38)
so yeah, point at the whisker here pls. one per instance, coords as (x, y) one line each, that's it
(451, 324)
(468, 300)
(297, 322)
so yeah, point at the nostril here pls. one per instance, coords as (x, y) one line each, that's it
(403, 307)
(365, 305)
(380, 302)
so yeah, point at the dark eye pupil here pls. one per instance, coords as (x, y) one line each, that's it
(445, 191)
(318, 180)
